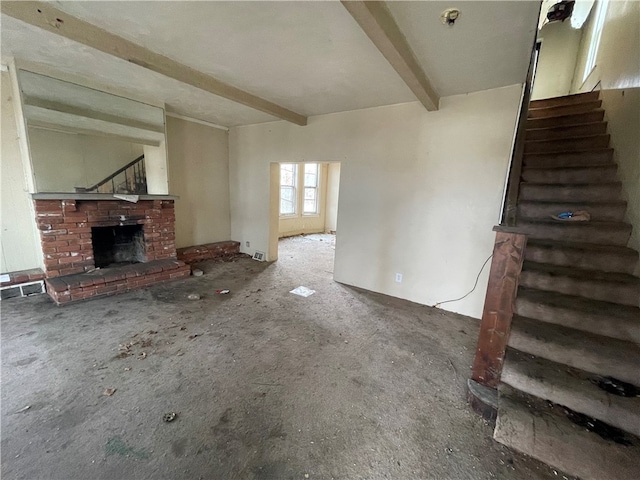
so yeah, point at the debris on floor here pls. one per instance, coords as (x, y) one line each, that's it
(600, 428)
(302, 291)
(618, 387)
(222, 292)
(23, 409)
(196, 272)
(169, 417)
(109, 391)
(193, 296)
(577, 216)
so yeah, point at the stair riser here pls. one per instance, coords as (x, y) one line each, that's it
(614, 292)
(567, 145)
(566, 120)
(567, 447)
(598, 128)
(578, 108)
(572, 193)
(581, 358)
(571, 233)
(568, 100)
(570, 175)
(599, 212)
(612, 414)
(569, 159)
(567, 257)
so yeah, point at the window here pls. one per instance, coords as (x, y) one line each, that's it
(288, 195)
(310, 189)
(594, 43)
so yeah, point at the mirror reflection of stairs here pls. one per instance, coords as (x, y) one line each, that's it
(577, 322)
(130, 179)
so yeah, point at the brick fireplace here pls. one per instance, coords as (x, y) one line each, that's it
(94, 244)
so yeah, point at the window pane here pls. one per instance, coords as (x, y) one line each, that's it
(287, 200)
(311, 175)
(288, 174)
(310, 200)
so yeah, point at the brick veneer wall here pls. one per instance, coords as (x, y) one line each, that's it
(65, 230)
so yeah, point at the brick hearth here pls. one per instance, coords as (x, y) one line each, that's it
(209, 251)
(65, 230)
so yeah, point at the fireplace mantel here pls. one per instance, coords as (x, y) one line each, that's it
(94, 196)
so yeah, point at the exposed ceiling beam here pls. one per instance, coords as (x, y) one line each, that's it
(56, 127)
(87, 113)
(376, 21)
(44, 16)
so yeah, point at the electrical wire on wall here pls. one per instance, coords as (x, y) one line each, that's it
(437, 305)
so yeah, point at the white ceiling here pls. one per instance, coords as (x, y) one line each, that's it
(488, 47)
(310, 57)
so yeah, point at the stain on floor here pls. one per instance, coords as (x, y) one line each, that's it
(344, 384)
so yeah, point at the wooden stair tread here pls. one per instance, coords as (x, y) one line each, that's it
(573, 312)
(561, 115)
(579, 349)
(558, 132)
(596, 307)
(570, 387)
(575, 152)
(562, 127)
(585, 225)
(578, 137)
(551, 221)
(566, 109)
(582, 274)
(565, 99)
(589, 247)
(569, 185)
(567, 119)
(606, 166)
(616, 203)
(543, 431)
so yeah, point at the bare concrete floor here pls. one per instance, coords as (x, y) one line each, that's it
(267, 385)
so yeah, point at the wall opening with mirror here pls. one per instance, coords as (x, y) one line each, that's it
(83, 140)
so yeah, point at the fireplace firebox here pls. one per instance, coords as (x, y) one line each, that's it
(117, 245)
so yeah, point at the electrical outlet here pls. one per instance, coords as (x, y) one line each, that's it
(398, 278)
(247, 244)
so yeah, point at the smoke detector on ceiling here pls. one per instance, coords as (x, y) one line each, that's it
(449, 16)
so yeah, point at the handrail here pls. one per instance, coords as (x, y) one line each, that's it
(510, 206)
(112, 176)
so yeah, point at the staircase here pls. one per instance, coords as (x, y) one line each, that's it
(577, 315)
(130, 179)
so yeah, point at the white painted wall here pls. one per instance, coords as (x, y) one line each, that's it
(557, 60)
(333, 194)
(617, 74)
(419, 191)
(623, 114)
(299, 223)
(63, 161)
(199, 174)
(19, 240)
(618, 58)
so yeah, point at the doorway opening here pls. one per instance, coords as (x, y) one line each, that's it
(304, 211)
